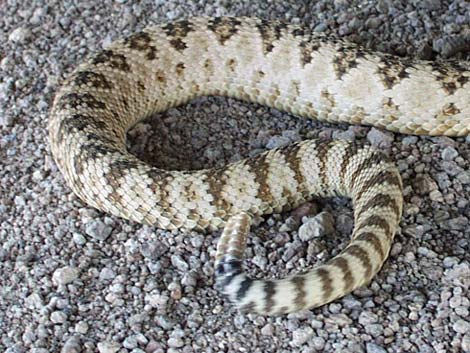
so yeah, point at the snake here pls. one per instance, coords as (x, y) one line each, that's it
(284, 66)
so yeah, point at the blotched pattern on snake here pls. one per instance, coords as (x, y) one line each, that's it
(284, 66)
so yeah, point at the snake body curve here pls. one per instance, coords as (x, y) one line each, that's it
(283, 66)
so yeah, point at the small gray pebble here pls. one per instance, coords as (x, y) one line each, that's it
(19, 35)
(410, 140)
(466, 343)
(78, 239)
(267, 330)
(98, 230)
(379, 138)
(58, 317)
(461, 326)
(374, 348)
(65, 275)
(367, 318)
(153, 250)
(107, 274)
(179, 263)
(318, 226)
(130, 342)
(318, 343)
(464, 177)
(427, 4)
(277, 141)
(301, 336)
(449, 153)
(72, 345)
(108, 347)
(81, 327)
(34, 301)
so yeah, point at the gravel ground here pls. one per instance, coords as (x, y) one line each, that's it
(76, 280)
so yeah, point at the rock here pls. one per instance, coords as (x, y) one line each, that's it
(179, 263)
(20, 35)
(107, 274)
(318, 226)
(458, 223)
(81, 327)
(409, 140)
(108, 347)
(449, 153)
(64, 275)
(277, 141)
(153, 250)
(34, 301)
(424, 184)
(449, 46)
(78, 239)
(130, 342)
(461, 326)
(301, 336)
(464, 177)
(58, 317)
(267, 330)
(374, 348)
(98, 230)
(466, 343)
(379, 138)
(72, 345)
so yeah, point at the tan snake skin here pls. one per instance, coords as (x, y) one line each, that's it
(283, 66)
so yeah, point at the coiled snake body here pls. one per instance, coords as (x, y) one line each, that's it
(283, 66)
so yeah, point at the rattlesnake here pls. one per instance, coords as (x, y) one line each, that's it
(287, 67)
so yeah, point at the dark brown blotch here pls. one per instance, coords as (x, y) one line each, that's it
(140, 86)
(224, 27)
(307, 48)
(96, 149)
(382, 200)
(291, 155)
(384, 177)
(92, 79)
(362, 255)
(177, 31)
(142, 42)
(79, 122)
(372, 160)
(231, 64)
(179, 69)
(374, 240)
(350, 152)
(322, 154)
(244, 288)
(282, 310)
(343, 62)
(80, 100)
(217, 179)
(269, 291)
(259, 166)
(301, 295)
(110, 58)
(121, 166)
(160, 77)
(392, 70)
(375, 221)
(178, 28)
(326, 283)
(270, 33)
(342, 264)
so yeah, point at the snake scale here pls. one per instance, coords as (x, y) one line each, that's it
(284, 66)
